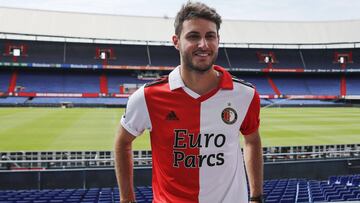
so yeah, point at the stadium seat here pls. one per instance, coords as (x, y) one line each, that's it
(277, 191)
(319, 198)
(303, 199)
(333, 179)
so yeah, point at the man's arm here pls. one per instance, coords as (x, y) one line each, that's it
(124, 165)
(254, 163)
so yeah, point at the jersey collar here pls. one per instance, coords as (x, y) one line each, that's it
(175, 80)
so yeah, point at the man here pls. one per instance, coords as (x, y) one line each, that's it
(194, 117)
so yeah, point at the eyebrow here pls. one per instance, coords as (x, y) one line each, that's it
(195, 32)
(192, 32)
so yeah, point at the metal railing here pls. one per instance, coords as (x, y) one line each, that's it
(105, 159)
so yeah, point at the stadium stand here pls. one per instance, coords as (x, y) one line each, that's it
(103, 100)
(93, 195)
(144, 55)
(299, 102)
(244, 58)
(13, 100)
(353, 84)
(223, 59)
(260, 82)
(59, 81)
(339, 189)
(4, 80)
(308, 84)
(319, 59)
(134, 55)
(77, 52)
(277, 73)
(324, 85)
(43, 52)
(287, 59)
(116, 79)
(163, 56)
(294, 85)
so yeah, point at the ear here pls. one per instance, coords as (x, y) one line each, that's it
(175, 40)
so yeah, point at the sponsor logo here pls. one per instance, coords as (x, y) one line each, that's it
(229, 116)
(185, 140)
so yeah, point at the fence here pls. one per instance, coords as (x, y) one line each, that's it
(105, 159)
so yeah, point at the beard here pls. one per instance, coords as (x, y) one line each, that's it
(189, 64)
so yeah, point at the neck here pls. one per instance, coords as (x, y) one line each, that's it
(200, 82)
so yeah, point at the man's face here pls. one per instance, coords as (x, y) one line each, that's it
(198, 44)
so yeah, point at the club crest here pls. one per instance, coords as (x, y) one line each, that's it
(229, 116)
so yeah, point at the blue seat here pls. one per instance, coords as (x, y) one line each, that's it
(56, 201)
(40, 201)
(348, 196)
(333, 179)
(287, 200)
(334, 197)
(273, 197)
(73, 200)
(303, 199)
(344, 180)
(272, 201)
(319, 198)
(355, 182)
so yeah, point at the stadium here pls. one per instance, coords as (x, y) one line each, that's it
(64, 87)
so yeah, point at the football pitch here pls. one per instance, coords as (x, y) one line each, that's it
(57, 129)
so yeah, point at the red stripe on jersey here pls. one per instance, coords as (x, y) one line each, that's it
(175, 119)
(252, 120)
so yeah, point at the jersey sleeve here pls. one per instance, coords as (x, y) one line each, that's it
(252, 118)
(136, 118)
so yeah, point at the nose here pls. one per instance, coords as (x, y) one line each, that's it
(203, 43)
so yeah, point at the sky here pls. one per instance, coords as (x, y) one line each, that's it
(272, 10)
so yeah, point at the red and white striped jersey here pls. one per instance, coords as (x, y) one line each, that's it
(195, 138)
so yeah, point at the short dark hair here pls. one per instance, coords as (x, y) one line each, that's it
(194, 10)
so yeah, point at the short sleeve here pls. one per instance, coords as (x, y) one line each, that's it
(136, 118)
(252, 119)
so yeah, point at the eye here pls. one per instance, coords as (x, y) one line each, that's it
(193, 37)
(211, 36)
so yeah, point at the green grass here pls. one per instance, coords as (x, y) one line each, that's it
(310, 126)
(47, 129)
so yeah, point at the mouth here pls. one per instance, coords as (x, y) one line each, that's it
(202, 54)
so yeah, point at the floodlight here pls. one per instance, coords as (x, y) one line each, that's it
(267, 59)
(342, 59)
(16, 52)
(103, 55)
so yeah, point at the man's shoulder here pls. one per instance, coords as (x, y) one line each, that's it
(234, 79)
(242, 82)
(161, 80)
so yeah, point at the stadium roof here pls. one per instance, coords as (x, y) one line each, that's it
(275, 10)
(158, 30)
